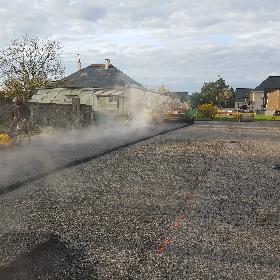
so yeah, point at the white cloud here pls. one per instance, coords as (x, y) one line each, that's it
(179, 43)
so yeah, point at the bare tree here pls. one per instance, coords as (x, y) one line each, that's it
(29, 63)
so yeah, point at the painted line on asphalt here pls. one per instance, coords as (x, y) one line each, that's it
(177, 225)
(163, 246)
(179, 220)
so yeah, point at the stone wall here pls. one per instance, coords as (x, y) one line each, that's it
(60, 115)
(54, 115)
(6, 110)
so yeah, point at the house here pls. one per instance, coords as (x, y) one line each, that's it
(242, 98)
(259, 96)
(108, 100)
(101, 87)
(257, 99)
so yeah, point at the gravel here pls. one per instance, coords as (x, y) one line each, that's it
(201, 202)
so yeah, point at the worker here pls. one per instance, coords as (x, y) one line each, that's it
(21, 117)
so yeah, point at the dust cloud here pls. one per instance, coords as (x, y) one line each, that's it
(56, 147)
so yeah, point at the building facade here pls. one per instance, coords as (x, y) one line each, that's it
(273, 101)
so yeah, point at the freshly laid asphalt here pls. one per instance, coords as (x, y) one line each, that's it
(49, 152)
(200, 202)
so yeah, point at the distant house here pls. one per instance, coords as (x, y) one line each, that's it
(258, 96)
(242, 98)
(258, 99)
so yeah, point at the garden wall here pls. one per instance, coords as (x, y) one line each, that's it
(54, 115)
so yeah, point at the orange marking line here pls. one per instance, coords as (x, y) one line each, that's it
(176, 225)
(162, 247)
(189, 198)
(178, 222)
(183, 216)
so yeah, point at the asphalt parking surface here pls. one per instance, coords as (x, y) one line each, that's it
(200, 202)
(49, 152)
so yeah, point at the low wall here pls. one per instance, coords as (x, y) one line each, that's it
(6, 110)
(60, 116)
(54, 115)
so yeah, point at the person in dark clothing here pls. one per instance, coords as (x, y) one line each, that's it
(21, 118)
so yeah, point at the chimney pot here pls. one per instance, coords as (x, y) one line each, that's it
(107, 63)
(79, 62)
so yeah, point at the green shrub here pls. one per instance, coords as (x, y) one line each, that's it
(208, 110)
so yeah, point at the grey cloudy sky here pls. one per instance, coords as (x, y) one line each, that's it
(179, 43)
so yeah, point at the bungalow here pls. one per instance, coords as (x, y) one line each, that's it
(118, 100)
(104, 89)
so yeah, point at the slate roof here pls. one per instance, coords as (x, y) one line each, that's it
(241, 94)
(97, 76)
(272, 82)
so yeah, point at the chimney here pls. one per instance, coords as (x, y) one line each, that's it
(79, 62)
(107, 63)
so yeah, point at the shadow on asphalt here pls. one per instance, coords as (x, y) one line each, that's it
(52, 259)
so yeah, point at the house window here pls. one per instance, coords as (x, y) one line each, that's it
(113, 99)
